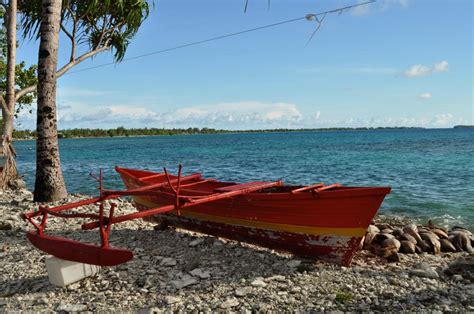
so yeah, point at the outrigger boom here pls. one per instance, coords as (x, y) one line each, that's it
(105, 255)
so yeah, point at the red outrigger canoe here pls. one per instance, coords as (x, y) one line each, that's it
(317, 221)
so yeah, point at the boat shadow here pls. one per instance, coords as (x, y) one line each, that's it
(20, 286)
(225, 260)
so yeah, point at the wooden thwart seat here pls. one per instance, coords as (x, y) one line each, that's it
(244, 186)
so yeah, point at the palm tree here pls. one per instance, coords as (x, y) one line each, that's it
(8, 105)
(49, 184)
(103, 25)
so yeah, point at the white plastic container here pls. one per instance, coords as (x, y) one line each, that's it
(62, 273)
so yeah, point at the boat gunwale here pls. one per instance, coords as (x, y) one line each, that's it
(339, 192)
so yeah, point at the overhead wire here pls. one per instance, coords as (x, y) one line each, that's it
(308, 17)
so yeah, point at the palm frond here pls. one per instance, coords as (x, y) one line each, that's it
(98, 22)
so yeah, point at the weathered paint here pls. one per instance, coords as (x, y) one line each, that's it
(333, 248)
(261, 224)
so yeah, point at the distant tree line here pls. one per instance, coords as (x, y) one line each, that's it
(122, 131)
(464, 126)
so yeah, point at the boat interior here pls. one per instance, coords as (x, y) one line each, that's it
(195, 184)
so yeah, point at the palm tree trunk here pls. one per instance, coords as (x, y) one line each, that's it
(49, 184)
(9, 173)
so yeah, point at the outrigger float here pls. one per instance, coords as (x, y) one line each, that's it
(315, 221)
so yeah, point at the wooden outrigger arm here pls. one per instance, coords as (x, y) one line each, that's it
(105, 255)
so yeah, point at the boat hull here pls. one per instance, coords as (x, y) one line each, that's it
(329, 225)
(338, 249)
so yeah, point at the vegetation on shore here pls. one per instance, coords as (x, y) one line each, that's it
(464, 127)
(121, 131)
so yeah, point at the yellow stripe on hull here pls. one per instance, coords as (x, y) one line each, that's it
(321, 231)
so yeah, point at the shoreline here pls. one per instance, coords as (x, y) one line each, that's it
(204, 131)
(178, 270)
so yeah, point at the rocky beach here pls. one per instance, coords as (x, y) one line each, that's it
(177, 270)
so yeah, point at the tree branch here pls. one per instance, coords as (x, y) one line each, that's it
(4, 104)
(104, 30)
(64, 69)
(73, 35)
(24, 91)
(83, 57)
(66, 32)
(73, 40)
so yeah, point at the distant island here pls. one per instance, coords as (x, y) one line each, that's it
(464, 126)
(123, 132)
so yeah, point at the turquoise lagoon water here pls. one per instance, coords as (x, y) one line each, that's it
(431, 172)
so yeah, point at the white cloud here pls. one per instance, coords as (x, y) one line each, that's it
(442, 66)
(238, 115)
(443, 120)
(378, 6)
(250, 112)
(109, 115)
(419, 70)
(425, 95)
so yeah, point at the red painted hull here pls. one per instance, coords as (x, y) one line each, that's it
(327, 225)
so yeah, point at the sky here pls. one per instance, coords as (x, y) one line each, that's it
(390, 63)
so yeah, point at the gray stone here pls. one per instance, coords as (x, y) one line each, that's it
(74, 286)
(180, 284)
(172, 300)
(71, 308)
(42, 300)
(197, 272)
(229, 303)
(168, 261)
(294, 263)
(424, 270)
(150, 310)
(241, 292)
(258, 283)
(279, 278)
(196, 242)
